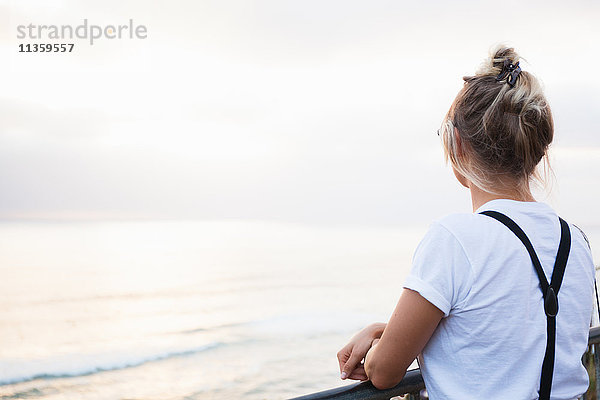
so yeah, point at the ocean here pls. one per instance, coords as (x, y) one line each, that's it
(188, 310)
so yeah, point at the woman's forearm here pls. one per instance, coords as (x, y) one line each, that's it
(413, 322)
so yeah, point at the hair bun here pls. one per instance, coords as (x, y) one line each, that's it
(492, 66)
(505, 132)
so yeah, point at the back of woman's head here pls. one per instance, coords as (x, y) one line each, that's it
(500, 126)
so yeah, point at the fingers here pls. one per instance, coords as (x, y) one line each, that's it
(343, 356)
(354, 359)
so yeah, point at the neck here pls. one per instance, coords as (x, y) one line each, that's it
(479, 197)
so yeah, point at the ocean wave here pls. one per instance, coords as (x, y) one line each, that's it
(67, 366)
(308, 324)
(212, 328)
(296, 324)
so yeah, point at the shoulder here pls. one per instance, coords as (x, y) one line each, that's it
(462, 226)
(459, 220)
(474, 234)
(453, 233)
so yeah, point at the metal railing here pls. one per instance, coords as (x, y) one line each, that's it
(412, 384)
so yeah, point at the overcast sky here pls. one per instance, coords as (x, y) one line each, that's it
(306, 111)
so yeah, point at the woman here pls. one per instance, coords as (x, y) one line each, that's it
(472, 308)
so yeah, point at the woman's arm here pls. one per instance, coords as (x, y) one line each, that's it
(406, 334)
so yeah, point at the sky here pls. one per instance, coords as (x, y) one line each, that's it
(304, 111)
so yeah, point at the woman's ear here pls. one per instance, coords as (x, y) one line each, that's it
(463, 181)
(459, 149)
(460, 153)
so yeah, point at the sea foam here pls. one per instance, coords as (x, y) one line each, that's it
(71, 365)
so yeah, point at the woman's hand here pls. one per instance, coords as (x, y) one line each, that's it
(351, 355)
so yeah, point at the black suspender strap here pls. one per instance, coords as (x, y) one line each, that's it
(549, 291)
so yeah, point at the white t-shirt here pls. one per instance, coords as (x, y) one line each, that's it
(492, 339)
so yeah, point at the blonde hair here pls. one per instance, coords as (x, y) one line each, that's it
(496, 134)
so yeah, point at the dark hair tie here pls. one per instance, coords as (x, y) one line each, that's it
(510, 72)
